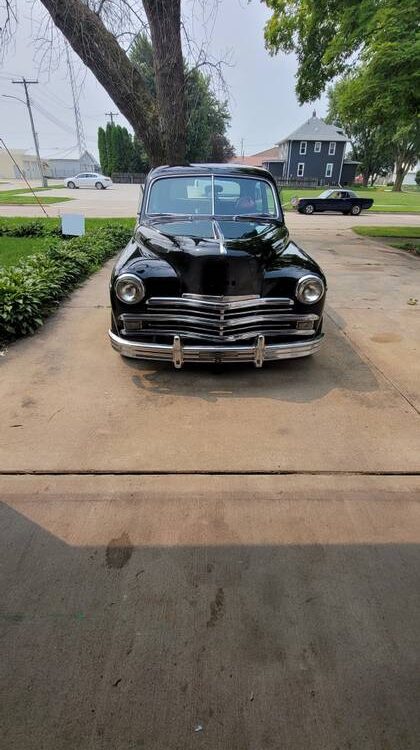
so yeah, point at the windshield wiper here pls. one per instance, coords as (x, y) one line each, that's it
(257, 217)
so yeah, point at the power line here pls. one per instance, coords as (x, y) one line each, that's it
(22, 174)
(25, 85)
(52, 118)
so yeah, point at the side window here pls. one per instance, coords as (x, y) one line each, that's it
(328, 170)
(331, 150)
(300, 169)
(302, 148)
(317, 147)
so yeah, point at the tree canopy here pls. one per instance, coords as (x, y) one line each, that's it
(329, 36)
(119, 151)
(370, 144)
(207, 118)
(375, 44)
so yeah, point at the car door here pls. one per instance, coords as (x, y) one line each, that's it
(333, 202)
(91, 179)
(80, 179)
(345, 201)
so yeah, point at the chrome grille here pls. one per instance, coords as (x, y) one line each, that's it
(219, 318)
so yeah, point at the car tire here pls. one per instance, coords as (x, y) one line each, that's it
(71, 185)
(99, 186)
(356, 210)
(309, 209)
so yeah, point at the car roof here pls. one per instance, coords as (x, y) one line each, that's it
(232, 170)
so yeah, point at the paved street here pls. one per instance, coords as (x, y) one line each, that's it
(123, 200)
(225, 559)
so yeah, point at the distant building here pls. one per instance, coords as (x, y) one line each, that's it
(26, 163)
(60, 168)
(314, 152)
(257, 160)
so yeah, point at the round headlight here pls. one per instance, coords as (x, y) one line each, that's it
(129, 288)
(310, 289)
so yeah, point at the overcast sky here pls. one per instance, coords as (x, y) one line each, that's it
(261, 88)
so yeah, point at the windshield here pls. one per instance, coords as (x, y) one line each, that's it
(211, 196)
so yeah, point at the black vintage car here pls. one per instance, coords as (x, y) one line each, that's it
(211, 274)
(343, 201)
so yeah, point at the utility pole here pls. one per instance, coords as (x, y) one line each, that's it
(25, 85)
(81, 143)
(242, 148)
(112, 115)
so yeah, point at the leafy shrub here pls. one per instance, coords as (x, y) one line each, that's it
(33, 287)
(35, 228)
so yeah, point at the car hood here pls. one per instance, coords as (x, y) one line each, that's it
(216, 257)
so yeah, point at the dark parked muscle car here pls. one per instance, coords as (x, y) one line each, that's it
(211, 274)
(343, 201)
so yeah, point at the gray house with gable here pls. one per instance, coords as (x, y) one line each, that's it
(314, 152)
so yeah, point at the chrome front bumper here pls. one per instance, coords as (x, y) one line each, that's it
(178, 353)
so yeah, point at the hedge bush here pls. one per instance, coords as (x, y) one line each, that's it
(35, 228)
(33, 287)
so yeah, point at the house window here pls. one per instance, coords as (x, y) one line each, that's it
(300, 169)
(331, 150)
(302, 149)
(317, 147)
(329, 169)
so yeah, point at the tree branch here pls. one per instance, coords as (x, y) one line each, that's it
(100, 51)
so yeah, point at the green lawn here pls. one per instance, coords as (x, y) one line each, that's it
(385, 201)
(13, 249)
(19, 191)
(53, 222)
(404, 238)
(387, 231)
(24, 197)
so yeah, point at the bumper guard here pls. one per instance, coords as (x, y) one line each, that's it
(178, 353)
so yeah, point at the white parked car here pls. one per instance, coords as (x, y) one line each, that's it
(88, 179)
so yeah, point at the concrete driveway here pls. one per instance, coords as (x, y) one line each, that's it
(217, 558)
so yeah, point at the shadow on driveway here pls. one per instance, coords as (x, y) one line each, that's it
(135, 645)
(337, 365)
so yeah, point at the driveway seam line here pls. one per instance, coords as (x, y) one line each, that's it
(199, 472)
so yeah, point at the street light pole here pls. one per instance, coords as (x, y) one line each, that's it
(25, 84)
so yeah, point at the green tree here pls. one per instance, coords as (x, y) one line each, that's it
(370, 145)
(379, 40)
(103, 150)
(139, 160)
(207, 119)
(112, 145)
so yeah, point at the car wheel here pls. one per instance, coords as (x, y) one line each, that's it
(355, 210)
(309, 209)
(99, 186)
(71, 185)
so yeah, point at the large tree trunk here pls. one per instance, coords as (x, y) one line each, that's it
(161, 128)
(400, 173)
(164, 17)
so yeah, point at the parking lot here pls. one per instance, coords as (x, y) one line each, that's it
(216, 557)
